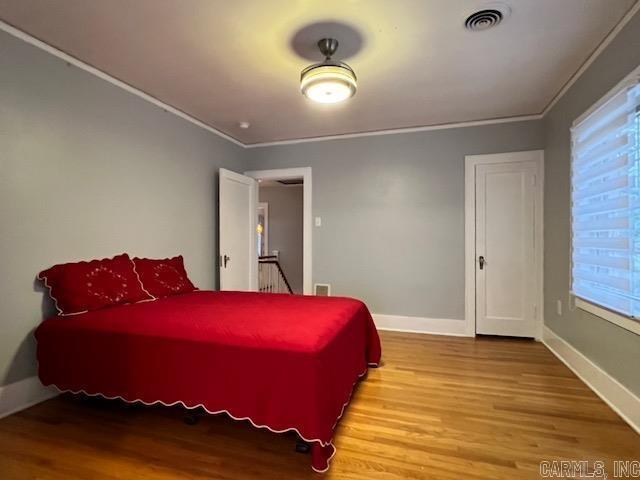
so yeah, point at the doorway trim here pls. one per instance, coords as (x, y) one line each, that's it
(307, 220)
(470, 163)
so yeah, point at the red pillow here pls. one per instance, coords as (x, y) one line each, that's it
(84, 286)
(165, 277)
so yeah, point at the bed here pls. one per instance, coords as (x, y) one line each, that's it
(281, 362)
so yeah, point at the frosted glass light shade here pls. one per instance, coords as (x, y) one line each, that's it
(328, 83)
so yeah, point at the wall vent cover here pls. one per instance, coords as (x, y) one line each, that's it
(322, 289)
(488, 17)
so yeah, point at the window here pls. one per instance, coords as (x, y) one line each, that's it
(605, 202)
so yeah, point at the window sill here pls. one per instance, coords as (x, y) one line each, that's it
(616, 318)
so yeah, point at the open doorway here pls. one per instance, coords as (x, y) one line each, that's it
(283, 230)
(279, 232)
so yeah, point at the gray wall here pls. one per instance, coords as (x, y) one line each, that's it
(285, 229)
(88, 171)
(616, 350)
(392, 209)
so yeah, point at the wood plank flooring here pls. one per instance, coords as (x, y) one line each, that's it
(439, 408)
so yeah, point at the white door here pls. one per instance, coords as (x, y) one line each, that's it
(238, 260)
(505, 245)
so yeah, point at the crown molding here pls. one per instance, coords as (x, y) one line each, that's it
(145, 96)
(394, 131)
(30, 39)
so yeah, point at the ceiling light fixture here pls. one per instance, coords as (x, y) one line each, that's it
(328, 81)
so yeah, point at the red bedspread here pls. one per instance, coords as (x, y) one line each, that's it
(282, 362)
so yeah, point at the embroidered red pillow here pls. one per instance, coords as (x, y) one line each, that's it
(165, 277)
(85, 286)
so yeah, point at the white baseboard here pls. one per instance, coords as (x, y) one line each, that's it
(624, 402)
(23, 394)
(433, 326)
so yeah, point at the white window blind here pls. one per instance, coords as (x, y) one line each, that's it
(606, 203)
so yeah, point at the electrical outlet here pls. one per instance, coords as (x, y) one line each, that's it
(559, 307)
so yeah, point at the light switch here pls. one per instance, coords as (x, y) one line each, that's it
(318, 221)
(559, 307)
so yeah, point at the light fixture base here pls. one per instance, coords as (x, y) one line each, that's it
(328, 47)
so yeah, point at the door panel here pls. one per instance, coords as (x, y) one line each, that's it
(506, 292)
(238, 260)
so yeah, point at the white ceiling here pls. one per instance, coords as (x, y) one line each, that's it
(224, 61)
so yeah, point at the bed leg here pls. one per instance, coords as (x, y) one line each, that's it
(302, 446)
(191, 417)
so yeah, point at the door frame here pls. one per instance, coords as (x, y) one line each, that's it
(307, 220)
(470, 163)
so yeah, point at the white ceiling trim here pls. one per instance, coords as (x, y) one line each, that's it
(426, 128)
(145, 96)
(10, 29)
(595, 54)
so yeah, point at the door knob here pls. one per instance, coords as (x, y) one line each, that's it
(226, 259)
(481, 262)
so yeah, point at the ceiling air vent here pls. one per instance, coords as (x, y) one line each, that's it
(486, 18)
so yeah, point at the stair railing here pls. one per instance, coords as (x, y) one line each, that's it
(271, 277)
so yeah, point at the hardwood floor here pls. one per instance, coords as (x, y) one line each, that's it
(438, 408)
